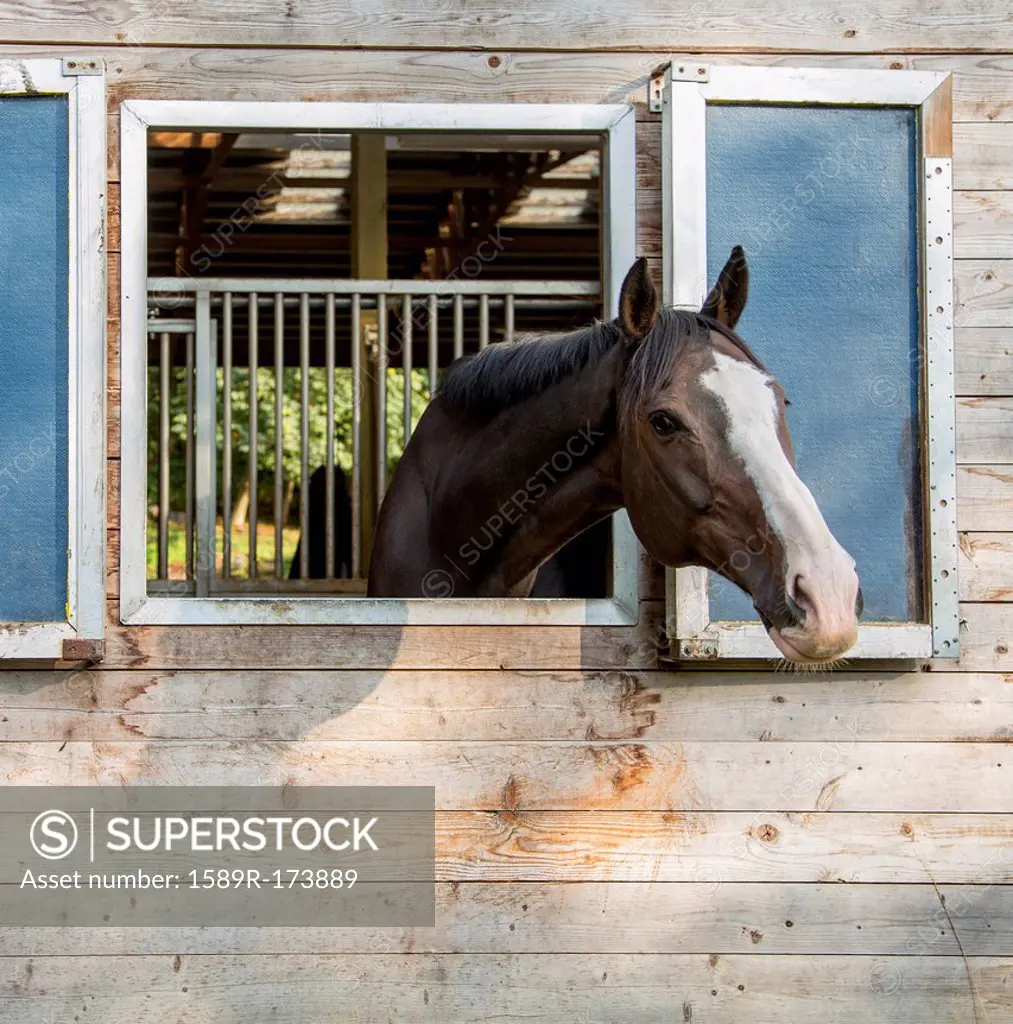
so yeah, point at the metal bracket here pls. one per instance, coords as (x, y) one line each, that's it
(76, 66)
(656, 92)
(681, 72)
(697, 648)
(941, 433)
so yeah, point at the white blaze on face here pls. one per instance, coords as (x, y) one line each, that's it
(820, 574)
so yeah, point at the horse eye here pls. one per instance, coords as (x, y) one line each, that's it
(665, 424)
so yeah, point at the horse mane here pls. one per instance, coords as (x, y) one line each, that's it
(506, 374)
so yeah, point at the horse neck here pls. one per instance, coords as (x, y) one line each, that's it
(538, 474)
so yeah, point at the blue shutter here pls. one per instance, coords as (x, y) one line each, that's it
(34, 300)
(825, 202)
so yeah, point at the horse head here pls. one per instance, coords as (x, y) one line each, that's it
(708, 470)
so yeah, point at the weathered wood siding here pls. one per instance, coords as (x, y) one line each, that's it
(614, 843)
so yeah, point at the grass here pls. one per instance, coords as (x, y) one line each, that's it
(240, 550)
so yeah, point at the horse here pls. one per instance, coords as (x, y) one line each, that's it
(665, 412)
(316, 536)
(580, 569)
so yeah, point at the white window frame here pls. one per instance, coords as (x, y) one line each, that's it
(82, 80)
(692, 633)
(615, 124)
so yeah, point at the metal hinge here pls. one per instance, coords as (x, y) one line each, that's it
(685, 71)
(83, 66)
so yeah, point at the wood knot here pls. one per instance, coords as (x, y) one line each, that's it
(767, 833)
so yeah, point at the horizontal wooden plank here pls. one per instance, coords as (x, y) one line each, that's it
(610, 917)
(500, 705)
(480, 989)
(903, 25)
(708, 848)
(984, 497)
(983, 225)
(983, 84)
(983, 293)
(983, 156)
(720, 847)
(985, 430)
(984, 360)
(834, 775)
(986, 637)
(986, 566)
(383, 647)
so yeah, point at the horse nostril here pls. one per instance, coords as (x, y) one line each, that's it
(795, 599)
(797, 614)
(859, 604)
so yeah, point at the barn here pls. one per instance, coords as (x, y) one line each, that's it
(245, 240)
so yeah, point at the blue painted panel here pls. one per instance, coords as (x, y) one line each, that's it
(34, 229)
(824, 201)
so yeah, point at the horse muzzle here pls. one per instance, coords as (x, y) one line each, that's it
(812, 629)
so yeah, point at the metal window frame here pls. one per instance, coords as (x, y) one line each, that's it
(613, 123)
(82, 80)
(692, 633)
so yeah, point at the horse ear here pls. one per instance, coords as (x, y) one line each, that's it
(727, 299)
(638, 302)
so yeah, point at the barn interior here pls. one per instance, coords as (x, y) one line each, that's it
(269, 206)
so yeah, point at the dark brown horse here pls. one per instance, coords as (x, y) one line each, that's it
(579, 569)
(664, 412)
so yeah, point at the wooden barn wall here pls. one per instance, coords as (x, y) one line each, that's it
(615, 843)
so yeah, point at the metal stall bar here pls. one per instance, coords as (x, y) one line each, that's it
(406, 361)
(381, 400)
(206, 422)
(483, 321)
(356, 436)
(304, 435)
(188, 458)
(329, 570)
(352, 286)
(508, 318)
(458, 325)
(164, 389)
(254, 335)
(279, 432)
(227, 435)
(434, 344)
